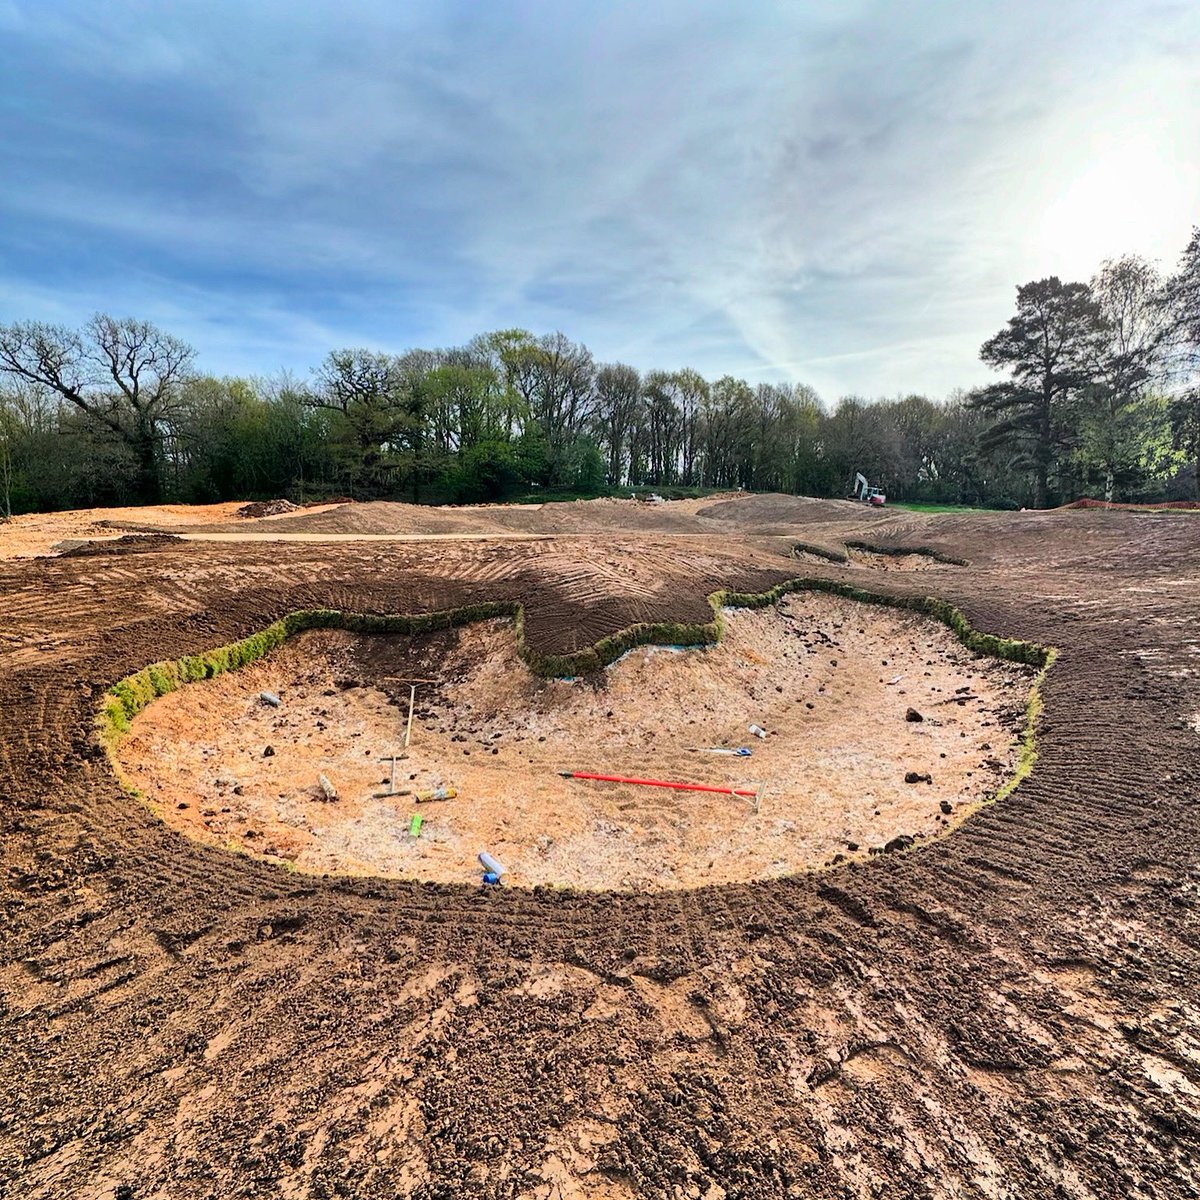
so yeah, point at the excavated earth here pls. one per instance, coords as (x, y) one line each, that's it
(1009, 1012)
(833, 682)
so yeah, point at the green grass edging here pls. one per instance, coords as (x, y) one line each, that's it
(1027, 755)
(833, 556)
(126, 698)
(1012, 649)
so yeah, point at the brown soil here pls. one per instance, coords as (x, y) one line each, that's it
(36, 534)
(830, 679)
(1004, 1013)
(268, 508)
(711, 516)
(891, 562)
(129, 543)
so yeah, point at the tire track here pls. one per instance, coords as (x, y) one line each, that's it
(1005, 1012)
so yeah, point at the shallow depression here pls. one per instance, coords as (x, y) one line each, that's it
(830, 680)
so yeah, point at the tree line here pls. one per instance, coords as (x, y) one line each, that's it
(1099, 396)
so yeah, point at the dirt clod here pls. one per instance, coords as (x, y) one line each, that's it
(267, 508)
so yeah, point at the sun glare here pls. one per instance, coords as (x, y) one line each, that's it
(1130, 189)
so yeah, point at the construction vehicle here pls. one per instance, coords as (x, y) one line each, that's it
(866, 493)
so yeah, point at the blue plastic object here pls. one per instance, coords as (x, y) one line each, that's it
(491, 878)
(490, 864)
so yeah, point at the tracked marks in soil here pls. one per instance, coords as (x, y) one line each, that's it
(1085, 1107)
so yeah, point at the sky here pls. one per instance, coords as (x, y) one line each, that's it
(841, 194)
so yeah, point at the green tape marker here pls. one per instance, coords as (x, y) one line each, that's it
(414, 826)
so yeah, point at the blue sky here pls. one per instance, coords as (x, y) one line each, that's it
(844, 194)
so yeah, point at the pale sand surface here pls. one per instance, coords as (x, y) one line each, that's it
(829, 679)
(35, 534)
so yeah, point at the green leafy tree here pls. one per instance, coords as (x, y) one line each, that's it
(586, 466)
(487, 471)
(557, 378)
(618, 399)
(662, 426)
(1050, 348)
(861, 437)
(509, 354)
(1181, 299)
(467, 404)
(217, 440)
(1112, 425)
(1184, 416)
(376, 405)
(727, 415)
(32, 448)
(801, 434)
(532, 456)
(8, 454)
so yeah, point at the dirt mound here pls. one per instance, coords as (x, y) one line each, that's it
(380, 517)
(267, 508)
(129, 543)
(1163, 506)
(34, 534)
(580, 516)
(770, 511)
(744, 513)
(604, 515)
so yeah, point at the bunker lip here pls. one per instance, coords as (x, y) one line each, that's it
(589, 836)
(858, 550)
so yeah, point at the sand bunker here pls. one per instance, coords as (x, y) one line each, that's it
(877, 560)
(831, 681)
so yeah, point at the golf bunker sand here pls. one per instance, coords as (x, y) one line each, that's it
(830, 680)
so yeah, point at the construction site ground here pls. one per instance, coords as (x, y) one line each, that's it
(1006, 1012)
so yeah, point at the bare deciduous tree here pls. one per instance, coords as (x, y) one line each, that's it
(7, 439)
(122, 373)
(618, 394)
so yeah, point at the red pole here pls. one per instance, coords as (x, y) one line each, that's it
(682, 787)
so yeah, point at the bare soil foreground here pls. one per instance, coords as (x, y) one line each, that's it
(1006, 1012)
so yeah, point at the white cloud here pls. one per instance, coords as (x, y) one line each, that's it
(846, 193)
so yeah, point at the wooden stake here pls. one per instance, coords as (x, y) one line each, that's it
(412, 701)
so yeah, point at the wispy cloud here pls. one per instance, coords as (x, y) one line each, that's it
(844, 193)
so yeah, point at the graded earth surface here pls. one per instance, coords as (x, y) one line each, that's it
(1005, 1012)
